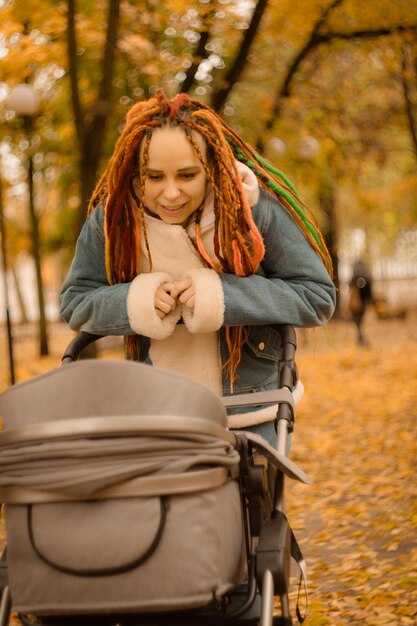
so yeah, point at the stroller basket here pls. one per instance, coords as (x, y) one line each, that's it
(126, 494)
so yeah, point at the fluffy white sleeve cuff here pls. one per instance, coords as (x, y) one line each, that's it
(208, 312)
(141, 310)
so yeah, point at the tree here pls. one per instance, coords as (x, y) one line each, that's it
(90, 133)
(408, 80)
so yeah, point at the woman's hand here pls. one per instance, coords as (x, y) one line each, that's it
(186, 293)
(165, 299)
(169, 294)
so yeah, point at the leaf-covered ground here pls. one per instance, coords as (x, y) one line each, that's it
(356, 436)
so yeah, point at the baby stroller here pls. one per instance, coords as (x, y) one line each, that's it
(128, 502)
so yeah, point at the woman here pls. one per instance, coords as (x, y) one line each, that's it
(194, 247)
(360, 296)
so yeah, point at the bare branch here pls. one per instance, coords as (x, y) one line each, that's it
(316, 39)
(219, 97)
(284, 89)
(201, 52)
(368, 33)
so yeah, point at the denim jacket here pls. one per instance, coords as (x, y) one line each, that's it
(291, 286)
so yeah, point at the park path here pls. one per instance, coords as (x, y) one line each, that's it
(356, 436)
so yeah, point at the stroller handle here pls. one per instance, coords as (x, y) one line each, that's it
(77, 345)
(84, 339)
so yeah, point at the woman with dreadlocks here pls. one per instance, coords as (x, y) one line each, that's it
(193, 248)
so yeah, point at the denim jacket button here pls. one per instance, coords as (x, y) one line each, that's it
(261, 346)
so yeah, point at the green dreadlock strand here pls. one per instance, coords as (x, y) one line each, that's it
(276, 188)
(268, 166)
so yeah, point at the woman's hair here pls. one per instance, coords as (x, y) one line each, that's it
(238, 244)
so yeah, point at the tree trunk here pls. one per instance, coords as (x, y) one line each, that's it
(36, 253)
(21, 302)
(407, 68)
(88, 177)
(327, 202)
(4, 268)
(90, 136)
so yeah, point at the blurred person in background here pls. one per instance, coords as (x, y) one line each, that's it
(360, 296)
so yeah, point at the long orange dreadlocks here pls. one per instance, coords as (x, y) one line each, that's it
(238, 244)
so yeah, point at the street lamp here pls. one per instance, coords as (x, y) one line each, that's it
(278, 146)
(24, 101)
(308, 148)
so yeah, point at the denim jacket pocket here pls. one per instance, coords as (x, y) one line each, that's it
(260, 358)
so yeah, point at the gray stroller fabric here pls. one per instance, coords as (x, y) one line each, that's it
(113, 427)
(57, 466)
(95, 388)
(199, 554)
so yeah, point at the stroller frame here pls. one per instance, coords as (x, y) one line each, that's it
(270, 542)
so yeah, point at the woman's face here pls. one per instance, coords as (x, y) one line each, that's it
(175, 183)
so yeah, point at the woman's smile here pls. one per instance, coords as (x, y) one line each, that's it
(173, 209)
(174, 214)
